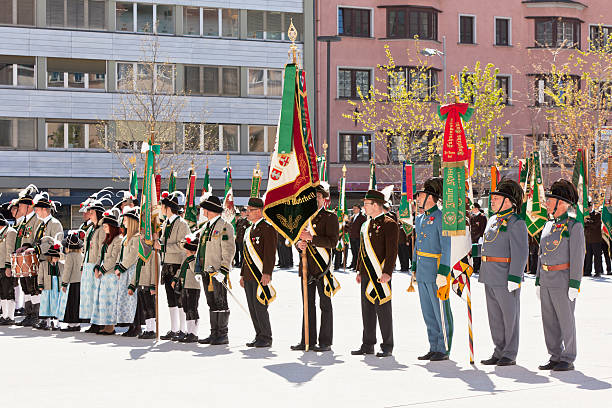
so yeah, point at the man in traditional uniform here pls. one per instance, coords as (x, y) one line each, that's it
(27, 226)
(431, 258)
(174, 231)
(377, 255)
(594, 242)
(214, 261)
(49, 227)
(256, 274)
(242, 224)
(318, 240)
(356, 221)
(562, 247)
(7, 282)
(504, 257)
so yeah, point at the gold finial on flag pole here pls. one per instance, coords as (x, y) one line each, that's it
(344, 170)
(227, 159)
(292, 33)
(456, 85)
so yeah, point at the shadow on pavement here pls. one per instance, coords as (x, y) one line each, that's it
(257, 353)
(521, 375)
(384, 363)
(295, 373)
(475, 378)
(583, 381)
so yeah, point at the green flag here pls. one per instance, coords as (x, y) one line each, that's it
(255, 182)
(172, 182)
(134, 183)
(580, 182)
(191, 210)
(405, 213)
(535, 212)
(148, 200)
(206, 188)
(229, 213)
(322, 165)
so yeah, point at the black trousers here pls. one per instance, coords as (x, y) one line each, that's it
(338, 259)
(354, 252)
(259, 312)
(146, 305)
(606, 253)
(168, 272)
(593, 250)
(29, 286)
(216, 298)
(7, 286)
(285, 255)
(404, 255)
(326, 332)
(190, 299)
(238, 257)
(369, 314)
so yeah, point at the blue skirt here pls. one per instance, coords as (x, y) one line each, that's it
(89, 289)
(126, 304)
(49, 300)
(104, 310)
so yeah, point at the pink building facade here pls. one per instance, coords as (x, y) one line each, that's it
(507, 33)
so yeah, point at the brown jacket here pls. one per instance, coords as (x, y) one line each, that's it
(355, 225)
(478, 224)
(241, 225)
(326, 230)
(264, 238)
(383, 232)
(592, 228)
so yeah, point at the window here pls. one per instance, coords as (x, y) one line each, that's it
(86, 14)
(17, 71)
(549, 151)
(503, 148)
(68, 73)
(351, 81)
(396, 148)
(191, 20)
(129, 135)
(502, 31)
(603, 91)
(262, 138)
(17, 133)
(557, 32)
(467, 29)
(353, 22)
(272, 25)
(17, 12)
(407, 22)
(205, 137)
(229, 23)
(75, 135)
(139, 17)
(147, 78)
(503, 83)
(204, 80)
(355, 148)
(544, 86)
(265, 82)
(418, 82)
(209, 22)
(601, 38)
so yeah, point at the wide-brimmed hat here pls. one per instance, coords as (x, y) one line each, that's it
(433, 187)
(124, 197)
(42, 200)
(511, 190)
(323, 188)
(212, 203)
(96, 200)
(111, 217)
(174, 200)
(255, 202)
(563, 190)
(51, 247)
(26, 196)
(74, 239)
(132, 212)
(191, 242)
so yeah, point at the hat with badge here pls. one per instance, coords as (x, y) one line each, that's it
(42, 200)
(111, 217)
(74, 239)
(213, 204)
(96, 200)
(433, 187)
(51, 247)
(563, 190)
(191, 242)
(132, 212)
(511, 190)
(323, 188)
(174, 200)
(124, 197)
(26, 196)
(255, 202)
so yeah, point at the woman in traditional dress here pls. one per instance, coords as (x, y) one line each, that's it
(126, 267)
(48, 283)
(71, 282)
(104, 312)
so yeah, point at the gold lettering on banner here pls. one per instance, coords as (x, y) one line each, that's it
(290, 223)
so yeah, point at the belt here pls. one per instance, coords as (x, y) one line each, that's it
(495, 259)
(428, 255)
(559, 267)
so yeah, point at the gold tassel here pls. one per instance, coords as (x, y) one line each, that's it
(411, 287)
(210, 283)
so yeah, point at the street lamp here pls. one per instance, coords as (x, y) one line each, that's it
(429, 52)
(328, 39)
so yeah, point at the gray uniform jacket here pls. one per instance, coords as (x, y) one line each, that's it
(111, 256)
(188, 281)
(220, 247)
(7, 246)
(172, 250)
(504, 237)
(27, 229)
(50, 228)
(562, 242)
(72, 268)
(129, 253)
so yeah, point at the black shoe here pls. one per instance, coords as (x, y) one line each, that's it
(321, 349)
(383, 353)
(251, 343)
(505, 361)
(190, 338)
(438, 356)
(426, 356)
(131, 332)
(179, 336)
(26, 322)
(362, 351)
(71, 329)
(563, 366)
(548, 366)
(2, 319)
(41, 325)
(94, 328)
(147, 335)
(105, 333)
(220, 340)
(20, 311)
(492, 361)
(262, 344)
(207, 340)
(299, 347)
(168, 336)
(7, 322)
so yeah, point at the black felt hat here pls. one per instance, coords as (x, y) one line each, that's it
(511, 190)
(433, 187)
(213, 204)
(563, 190)
(255, 202)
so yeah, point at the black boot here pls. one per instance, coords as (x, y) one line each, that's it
(27, 320)
(35, 310)
(222, 322)
(94, 328)
(213, 328)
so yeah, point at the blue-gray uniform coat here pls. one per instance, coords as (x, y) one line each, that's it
(562, 243)
(504, 237)
(432, 254)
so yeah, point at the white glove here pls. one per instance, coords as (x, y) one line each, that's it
(440, 280)
(512, 286)
(198, 278)
(572, 294)
(219, 277)
(538, 292)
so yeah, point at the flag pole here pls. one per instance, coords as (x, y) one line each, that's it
(156, 253)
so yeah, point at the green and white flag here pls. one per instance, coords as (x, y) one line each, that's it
(580, 182)
(206, 188)
(191, 209)
(341, 212)
(172, 182)
(148, 200)
(535, 212)
(405, 212)
(134, 183)
(229, 213)
(322, 166)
